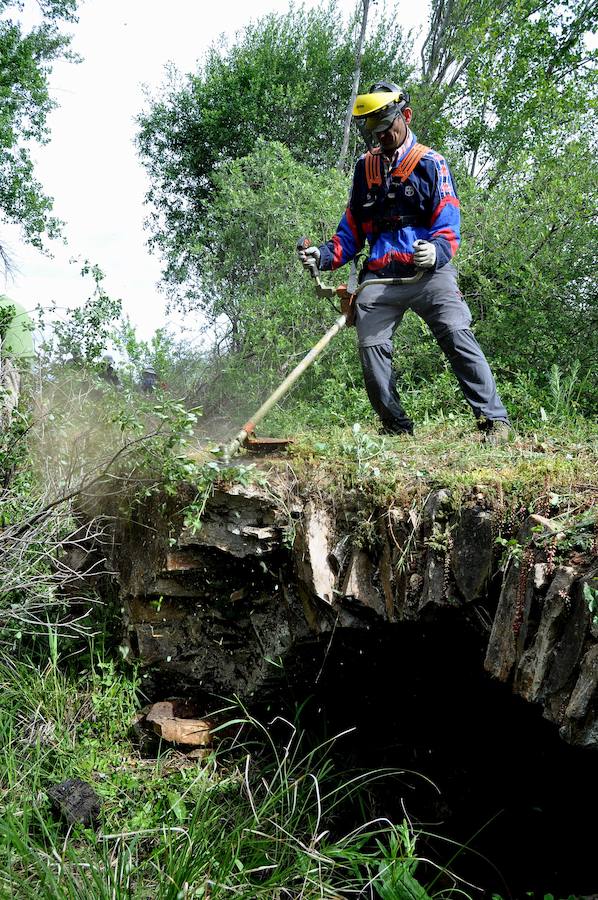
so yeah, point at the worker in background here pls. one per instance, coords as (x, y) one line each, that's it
(404, 203)
(149, 380)
(108, 372)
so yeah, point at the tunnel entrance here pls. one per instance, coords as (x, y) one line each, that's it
(509, 789)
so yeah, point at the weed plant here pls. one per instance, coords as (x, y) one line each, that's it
(336, 398)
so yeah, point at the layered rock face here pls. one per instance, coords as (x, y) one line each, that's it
(223, 608)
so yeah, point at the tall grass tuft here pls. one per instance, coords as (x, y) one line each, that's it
(262, 818)
(564, 392)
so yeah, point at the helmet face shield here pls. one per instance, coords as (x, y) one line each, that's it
(382, 120)
(375, 111)
(364, 131)
(370, 127)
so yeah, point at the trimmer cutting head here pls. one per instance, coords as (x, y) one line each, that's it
(246, 438)
(266, 444)
(256, 446)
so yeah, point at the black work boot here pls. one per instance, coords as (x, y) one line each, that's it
(396, 427)
(496, 431)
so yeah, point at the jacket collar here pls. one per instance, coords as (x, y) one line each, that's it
(402, 151)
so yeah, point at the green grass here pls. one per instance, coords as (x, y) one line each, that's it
(448, 454)
(245, 823)
(550, 470)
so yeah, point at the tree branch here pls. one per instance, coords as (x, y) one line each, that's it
(356, 76)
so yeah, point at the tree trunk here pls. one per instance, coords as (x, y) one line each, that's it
(356, 75)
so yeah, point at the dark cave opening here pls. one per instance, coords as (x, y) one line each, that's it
(508, 786)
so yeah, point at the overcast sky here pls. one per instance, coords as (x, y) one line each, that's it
(90, 166)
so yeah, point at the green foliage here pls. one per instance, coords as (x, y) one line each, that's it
(82, 421)
(262, 203)
(87, 437)
(575, 533)
(91, 436)
(273, 317)
(260, 298)
(31, 538)
(87, 330)
(590, 595)
(507, 91)
(24, 106)
(507, 80)
(526, 268)
(526, 88)
(287, 78)
(448, 455)
(85, 427)
(82, 435)
(396, 874)
(512, 550)
(73, 343)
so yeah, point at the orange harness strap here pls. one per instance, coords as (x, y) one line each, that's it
(373, 165)
(409, 162)
(373, 168)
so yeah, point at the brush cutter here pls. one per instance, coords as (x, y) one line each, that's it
(347, 298)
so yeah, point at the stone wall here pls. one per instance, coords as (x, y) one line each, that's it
(223, 608)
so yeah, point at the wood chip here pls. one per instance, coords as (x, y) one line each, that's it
(176, 730)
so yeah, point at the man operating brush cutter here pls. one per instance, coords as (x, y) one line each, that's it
(404, 203)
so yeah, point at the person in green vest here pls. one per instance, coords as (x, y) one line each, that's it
(16, 331)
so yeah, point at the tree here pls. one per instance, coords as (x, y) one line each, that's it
(511, 88)
(502, 81)
(286, 78)
(365, 4)
(527, 265)
(260, 203)
(505, 90)
(262, 304)
(26, 62)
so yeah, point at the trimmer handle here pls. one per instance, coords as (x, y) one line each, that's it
(310, 265)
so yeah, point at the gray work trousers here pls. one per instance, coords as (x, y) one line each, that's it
(437, 300)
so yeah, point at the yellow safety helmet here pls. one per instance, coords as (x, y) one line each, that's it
(376, 111)
(368, 104)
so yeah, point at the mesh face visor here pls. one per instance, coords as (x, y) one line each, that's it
(382, 120)
(371, 126)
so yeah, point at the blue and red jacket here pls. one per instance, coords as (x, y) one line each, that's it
(392, 215)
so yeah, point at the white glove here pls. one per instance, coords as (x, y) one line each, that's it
(424, 254)
(310, 259)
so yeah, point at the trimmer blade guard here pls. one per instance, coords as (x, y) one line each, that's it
(266, 444)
